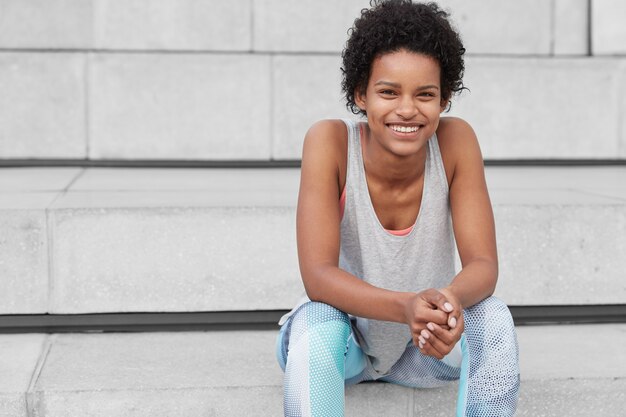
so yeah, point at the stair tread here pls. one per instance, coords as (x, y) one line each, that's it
(184, 371)
(152, 187)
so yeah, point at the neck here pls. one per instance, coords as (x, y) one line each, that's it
(390, 169)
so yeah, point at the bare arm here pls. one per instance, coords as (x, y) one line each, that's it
(474, 231)
(472, 218)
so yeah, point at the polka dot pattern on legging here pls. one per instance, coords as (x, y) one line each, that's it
(316, 340)
(314, 374)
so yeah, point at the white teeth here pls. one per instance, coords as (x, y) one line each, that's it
(404, 129)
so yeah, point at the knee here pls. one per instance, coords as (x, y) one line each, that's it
(490, 321)
(491, 312)
(315, 319)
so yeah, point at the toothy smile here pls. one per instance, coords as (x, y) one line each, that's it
(404, 129)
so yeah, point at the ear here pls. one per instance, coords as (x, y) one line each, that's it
(444, 105)
(359, 98)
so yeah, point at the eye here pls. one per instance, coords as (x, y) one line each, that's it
(387, 92)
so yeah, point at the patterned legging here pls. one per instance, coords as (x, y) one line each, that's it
(317, 350)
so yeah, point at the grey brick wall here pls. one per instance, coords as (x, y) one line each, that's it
(243, 79)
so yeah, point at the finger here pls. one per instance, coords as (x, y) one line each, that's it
(441, 340)
(432, 344)
(435, 316)
(454, 318)
(429, 350)
(437, 299)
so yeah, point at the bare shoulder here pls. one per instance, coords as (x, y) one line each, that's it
(454, 131)
(458, 143)
(329, 134)
(325, 148)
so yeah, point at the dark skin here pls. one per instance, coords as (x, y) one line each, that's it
(403, 103)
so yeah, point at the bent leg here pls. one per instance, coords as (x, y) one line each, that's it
(492, 379)
(493, 383)
(315, 344)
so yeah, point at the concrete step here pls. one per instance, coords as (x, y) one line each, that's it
(575, 370)
(84, 240)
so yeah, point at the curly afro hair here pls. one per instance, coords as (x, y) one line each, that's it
(391, 25)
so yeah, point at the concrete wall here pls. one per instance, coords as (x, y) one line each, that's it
(243, 80)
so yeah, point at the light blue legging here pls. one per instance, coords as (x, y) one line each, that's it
(317, 350)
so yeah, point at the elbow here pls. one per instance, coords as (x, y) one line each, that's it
(314, 285)
(311, 285)
(493, 275)
(312, 292)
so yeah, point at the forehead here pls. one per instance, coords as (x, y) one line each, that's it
(405, 66)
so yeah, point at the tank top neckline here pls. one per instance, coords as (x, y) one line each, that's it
(358, 135)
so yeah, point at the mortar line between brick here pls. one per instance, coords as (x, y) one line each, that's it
(552, 50)
(30, 393)
(589, 27)
(272, 139)
(87, 103)
(621, 86)
(50, 242)
(252, 5)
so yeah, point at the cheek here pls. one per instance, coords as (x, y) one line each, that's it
(431, 109)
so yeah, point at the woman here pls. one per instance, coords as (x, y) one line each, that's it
(381, 205)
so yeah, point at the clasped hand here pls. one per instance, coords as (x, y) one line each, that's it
(435, 318)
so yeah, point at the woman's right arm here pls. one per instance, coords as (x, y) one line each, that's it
(318, 237)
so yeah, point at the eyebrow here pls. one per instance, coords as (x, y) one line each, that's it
(396, 85)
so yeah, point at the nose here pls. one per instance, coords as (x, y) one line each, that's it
(406, 107)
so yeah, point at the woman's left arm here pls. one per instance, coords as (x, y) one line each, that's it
(474, 230)
(472, 215)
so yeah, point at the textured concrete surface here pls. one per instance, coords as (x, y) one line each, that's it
(181, 106)
(522, 26)
(235, 373)
(553, 231)
(28, 180)
(225, 258)
(608, 34)
(19, 355)
(502, 105)
(224, 182)
(56, 24)
(525, 27)
(306, 25)
(42, 105)
(23, 261)
(171, 239)
(582, 351)
(177, 245)
(527, 108)
(560, 254)
(212, 402)
(321, 86)
(296, 27)
(173, 25)
(185, 70)
(571, 27)
(572, 397)
(25, 194)
(163, 374)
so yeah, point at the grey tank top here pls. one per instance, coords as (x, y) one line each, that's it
(424, 258)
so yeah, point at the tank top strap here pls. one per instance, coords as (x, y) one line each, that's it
(437, 173)
(354, 144)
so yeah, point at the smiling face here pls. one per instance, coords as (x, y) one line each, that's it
(402, 101)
